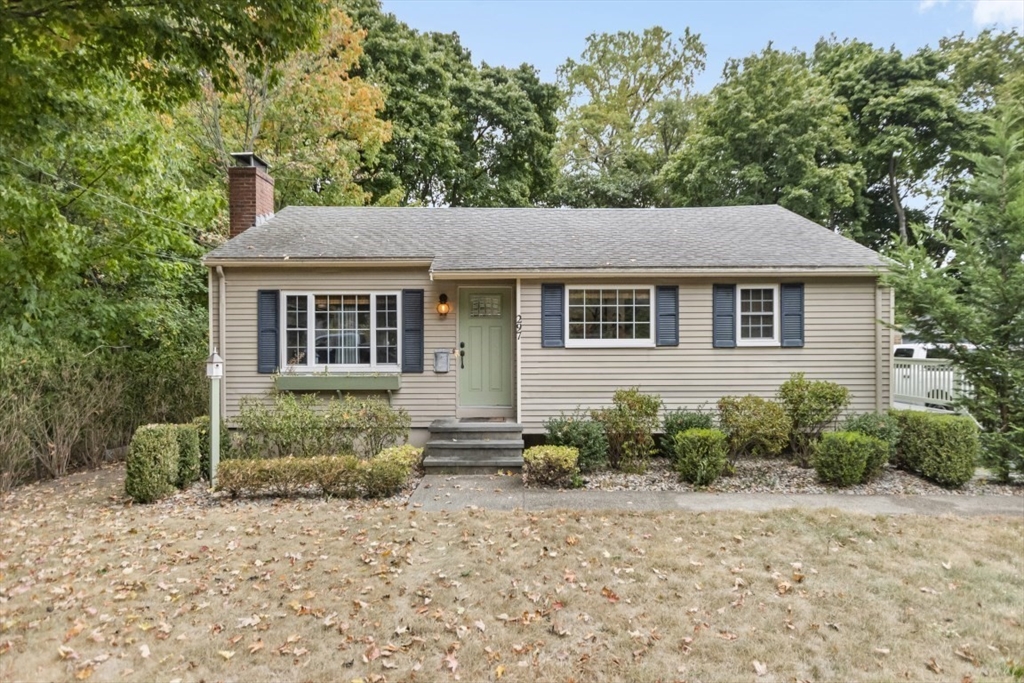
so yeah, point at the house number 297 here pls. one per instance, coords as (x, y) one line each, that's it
(519, 326)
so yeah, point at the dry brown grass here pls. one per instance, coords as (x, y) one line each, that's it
(311, 590)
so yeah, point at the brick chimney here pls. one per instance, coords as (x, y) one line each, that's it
(250, 192)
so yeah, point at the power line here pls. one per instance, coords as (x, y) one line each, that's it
(106, 196)
(163, 256)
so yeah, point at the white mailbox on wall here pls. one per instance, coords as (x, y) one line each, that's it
(442, 360)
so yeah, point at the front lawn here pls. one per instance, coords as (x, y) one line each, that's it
(193, 588)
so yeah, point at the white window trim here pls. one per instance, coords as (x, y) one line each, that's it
(776, 339)
(309, 368)
(607, 343)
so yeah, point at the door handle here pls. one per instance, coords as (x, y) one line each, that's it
(462, 355)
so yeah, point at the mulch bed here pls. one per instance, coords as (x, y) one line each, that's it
(780, 476)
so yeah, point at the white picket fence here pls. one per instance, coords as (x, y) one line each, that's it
(926, 382)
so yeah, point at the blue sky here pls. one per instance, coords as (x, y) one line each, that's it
(545, 33)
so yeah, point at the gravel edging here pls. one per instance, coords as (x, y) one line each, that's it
(754, 475)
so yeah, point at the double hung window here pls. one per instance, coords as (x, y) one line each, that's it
(758, 319)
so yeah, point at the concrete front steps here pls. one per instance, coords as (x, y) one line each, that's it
(473, 446)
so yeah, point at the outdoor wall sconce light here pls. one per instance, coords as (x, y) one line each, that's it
(443, 307)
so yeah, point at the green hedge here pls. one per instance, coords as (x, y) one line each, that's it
(188, 455)
(700, 455)
(848, 458)
(678, 421)
(151, 470)
(550, 465)
(386, 473)
(943, 448)
(879, 425)
(343, 476)
(585, 435)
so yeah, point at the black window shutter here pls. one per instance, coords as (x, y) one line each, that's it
(723, 327)
(412, 330)
(552, 307)
(267, 335)
(666, 300)
(792, 307)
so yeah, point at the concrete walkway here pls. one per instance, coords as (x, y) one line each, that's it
(492, 492)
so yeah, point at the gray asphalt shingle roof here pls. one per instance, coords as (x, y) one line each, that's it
(469, 239)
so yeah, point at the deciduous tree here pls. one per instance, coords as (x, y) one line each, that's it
(461, 135)
(905, 123)
(770, 133)
(624, 106)
(308, 116)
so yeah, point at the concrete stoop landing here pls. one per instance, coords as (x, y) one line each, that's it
(473, 446)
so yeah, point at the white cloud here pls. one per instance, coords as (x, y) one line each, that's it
(1001, 12)
(926, 5)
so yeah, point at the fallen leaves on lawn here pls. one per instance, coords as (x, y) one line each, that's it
(450, 662)
(385, 592)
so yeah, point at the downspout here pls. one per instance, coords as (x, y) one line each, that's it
(209, 308)
(879, 350)
(222, 335)
(518, 324)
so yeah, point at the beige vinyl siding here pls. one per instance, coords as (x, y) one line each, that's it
(426, 396)
(841, 343)
(887, 304)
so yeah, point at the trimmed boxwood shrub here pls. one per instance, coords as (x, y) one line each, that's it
(842, 458)
(411, 455)
(682, 420)
(258, 475)
(754, 425)
(943, 448)
(700, 455)
(585, 435)
(384, 475)
(882, 426)
(338, 476)
(188, 455)
(812, 407)
(332, 475)
(550, 465)
(151, 469)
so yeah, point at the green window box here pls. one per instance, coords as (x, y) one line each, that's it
(346, 382)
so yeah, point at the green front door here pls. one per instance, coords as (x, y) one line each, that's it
(485, 336)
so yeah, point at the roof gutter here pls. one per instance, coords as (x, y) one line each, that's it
(634, 273)
(289, 262)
